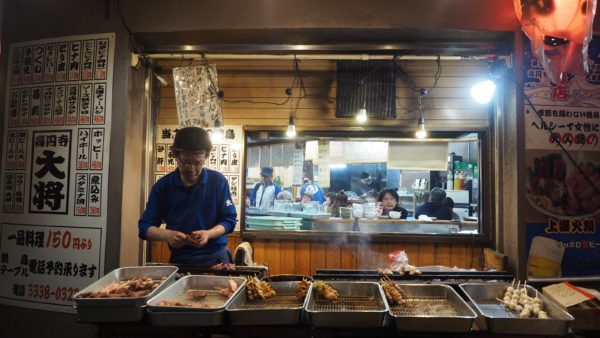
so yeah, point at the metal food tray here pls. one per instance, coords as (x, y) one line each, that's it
(501, 320)
(432, 308)
(282, 309)
(191, 316)
(120, 309)
(360, 304)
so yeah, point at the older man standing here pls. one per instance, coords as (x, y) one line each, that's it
(264, 192)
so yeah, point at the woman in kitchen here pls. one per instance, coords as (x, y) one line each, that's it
(388, 201)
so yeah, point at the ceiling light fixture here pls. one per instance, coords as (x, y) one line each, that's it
(483, 91)
(421, 132)
(217, 133)
(361, 117)
(291, 128)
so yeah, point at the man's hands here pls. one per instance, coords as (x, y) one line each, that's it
(199, 238)
(178, 239)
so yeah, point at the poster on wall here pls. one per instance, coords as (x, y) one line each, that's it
(562, 163)
(225, 157)
(54, 173)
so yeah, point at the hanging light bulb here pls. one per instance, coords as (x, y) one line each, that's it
(291, 130)
(361, 117)
(421, 132)
(483, 92)
(217, 134)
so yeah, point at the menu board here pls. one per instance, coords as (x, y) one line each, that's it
(54, 174)
(225, 157)
(563, 205)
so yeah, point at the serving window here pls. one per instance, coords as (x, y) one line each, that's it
(339, 162)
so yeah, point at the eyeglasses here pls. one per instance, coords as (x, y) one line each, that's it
(190, 164)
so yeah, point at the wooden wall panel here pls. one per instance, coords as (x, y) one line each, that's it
(348, 255)
(302, 257)
(288, 257)
(305, 257)
(333, 259)
(447, 107)
(317, 256)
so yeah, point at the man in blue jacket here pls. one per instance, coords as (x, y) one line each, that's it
(194, 202)
(265, 191)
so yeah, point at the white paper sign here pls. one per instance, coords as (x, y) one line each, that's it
(47, 264)
(54, 174)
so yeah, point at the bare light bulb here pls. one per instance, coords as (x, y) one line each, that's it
(483, 92)
(421, 132)
(362, 115)
(291, 131)
(217, 134)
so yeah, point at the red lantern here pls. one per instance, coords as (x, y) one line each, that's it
(560, 31)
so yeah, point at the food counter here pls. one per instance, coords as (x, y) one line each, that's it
(321, 307)
(392, 230)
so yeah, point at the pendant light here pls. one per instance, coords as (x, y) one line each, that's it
(421, 132)
(361, 117)
(217, 133)
(291, 129)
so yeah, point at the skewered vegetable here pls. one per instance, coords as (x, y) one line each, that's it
(325, 290)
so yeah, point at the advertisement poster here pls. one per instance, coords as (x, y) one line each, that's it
(563, 199)
(225, 157)
(54, 173)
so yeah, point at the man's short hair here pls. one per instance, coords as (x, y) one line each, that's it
(192, 140)
(364, 176)
(437, 195)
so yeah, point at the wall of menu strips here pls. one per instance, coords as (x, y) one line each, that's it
(54, 174)
(225, 157)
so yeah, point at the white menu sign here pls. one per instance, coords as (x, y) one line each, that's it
(54, 175)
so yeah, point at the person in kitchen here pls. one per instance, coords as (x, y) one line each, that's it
(318, 196)
(435, 208)
(194, 202)
(388, 201)
(370, 185)
(265, 191)
(449, 203)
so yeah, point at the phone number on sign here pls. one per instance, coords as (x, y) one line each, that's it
(43, 291)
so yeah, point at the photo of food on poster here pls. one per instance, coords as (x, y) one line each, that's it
(562, 170)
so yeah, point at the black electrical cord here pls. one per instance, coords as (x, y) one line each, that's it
(297, 78)
(408, 80)
(132, 36)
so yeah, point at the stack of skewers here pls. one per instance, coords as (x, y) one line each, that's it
(516, 299)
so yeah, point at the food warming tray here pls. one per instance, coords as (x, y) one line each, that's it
(432, 308)
(360, 304)
(282, 309)
(501, 320)
(121, 309)
(191, 316)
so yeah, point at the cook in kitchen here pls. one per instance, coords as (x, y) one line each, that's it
(194, 202)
